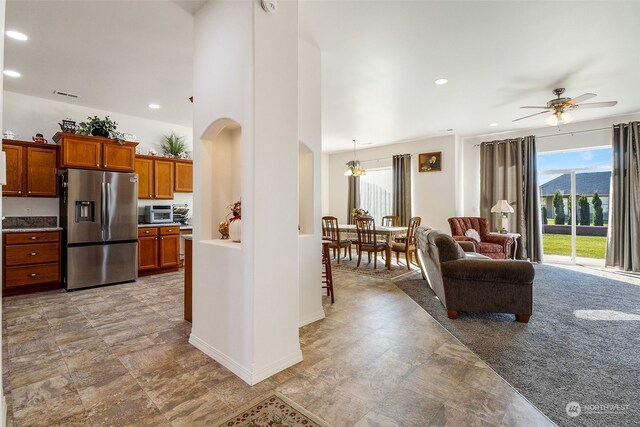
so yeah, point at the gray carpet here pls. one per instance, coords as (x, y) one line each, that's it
(582, 344)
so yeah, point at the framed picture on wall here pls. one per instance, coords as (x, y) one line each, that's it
(430, 162)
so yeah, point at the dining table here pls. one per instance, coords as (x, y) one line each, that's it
(388, 233)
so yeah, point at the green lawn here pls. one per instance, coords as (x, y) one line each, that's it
(586, 246)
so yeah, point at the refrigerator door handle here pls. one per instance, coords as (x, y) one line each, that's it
(103, 210)
(107, 215)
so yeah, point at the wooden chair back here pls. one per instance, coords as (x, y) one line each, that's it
(411, 230)
(330, 229)
(390, 221)
(366, 229)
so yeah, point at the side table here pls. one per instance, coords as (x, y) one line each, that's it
(516, 251)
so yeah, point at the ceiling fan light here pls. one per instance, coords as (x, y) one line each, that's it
(566, 118)
(348, 172)
(552, 120)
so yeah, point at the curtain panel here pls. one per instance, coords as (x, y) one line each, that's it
(509, 171)
(402, 187)
(623, 236)
(353, 195)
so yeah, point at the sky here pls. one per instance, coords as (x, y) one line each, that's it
(571, 159)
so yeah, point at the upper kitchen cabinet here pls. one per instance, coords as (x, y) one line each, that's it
(32, 169)
(155, 177)
(93, 152)
(184, 176)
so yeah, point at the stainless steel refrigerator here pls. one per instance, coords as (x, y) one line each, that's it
(99, 215)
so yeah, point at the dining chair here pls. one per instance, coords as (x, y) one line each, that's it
(327, 276)
(368, 240)
(408, 247)
(330, 231)
(391, 221)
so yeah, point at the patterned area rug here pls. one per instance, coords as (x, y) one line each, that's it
(397, 270)
(275, 410)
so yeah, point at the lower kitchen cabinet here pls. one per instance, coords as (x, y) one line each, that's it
(158, 249)
(31, 262)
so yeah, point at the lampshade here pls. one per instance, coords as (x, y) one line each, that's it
(552, 120)
(566, 118)
(502, 207)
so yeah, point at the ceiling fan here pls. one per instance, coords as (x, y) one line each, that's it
(560, 107)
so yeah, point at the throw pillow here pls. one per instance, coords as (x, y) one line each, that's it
(473, 234)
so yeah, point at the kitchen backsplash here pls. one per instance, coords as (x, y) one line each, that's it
(30, 222)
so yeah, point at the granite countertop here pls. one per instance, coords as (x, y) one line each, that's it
(168, 224)
(30, 229)
(187, 236)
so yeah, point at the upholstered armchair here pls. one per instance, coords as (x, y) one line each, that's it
(494, 246)
(465, 281)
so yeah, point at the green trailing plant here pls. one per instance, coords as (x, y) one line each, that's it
(95, 123)
(543, 212)
(173, 144)
(558, 206)
(585, 217)
(598, 217)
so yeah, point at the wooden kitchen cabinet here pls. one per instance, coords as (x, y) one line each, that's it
(15, 172)
(31, 169)
(163, 179)
(94, 152)
(184, 176)
(31, 262)
(158, 249)
(42, 172)
(155, 177)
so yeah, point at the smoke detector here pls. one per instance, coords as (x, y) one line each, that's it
(269, 6)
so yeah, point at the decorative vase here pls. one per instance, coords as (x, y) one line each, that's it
(224, 230)
(100, 132)
(235, 229)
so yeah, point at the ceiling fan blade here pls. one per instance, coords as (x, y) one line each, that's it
(536, 106)
(581, 98)
(526, 117)
(596, 104)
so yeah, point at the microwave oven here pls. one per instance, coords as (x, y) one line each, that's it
(158, 214)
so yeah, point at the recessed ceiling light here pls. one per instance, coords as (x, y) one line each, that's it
(493, 124)
(16, 35)
(441, 81)
(12, 73)
(154, 106)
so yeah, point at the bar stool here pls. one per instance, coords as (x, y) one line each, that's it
(327, 277)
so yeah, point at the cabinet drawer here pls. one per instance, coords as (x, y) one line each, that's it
(147, 231)
(170, 230)
(32, 274)
(38, 237)
(31, 254)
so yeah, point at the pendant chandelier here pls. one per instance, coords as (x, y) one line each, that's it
(353, 167)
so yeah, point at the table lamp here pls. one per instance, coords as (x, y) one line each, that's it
(503, 207)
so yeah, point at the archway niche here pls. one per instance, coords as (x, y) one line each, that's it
(220, 174)
(305, 189)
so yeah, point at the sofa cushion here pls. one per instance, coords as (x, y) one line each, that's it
(448, 249)
(486, 247)
(480, 270)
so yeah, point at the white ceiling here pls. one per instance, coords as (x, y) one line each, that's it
(379, 60)
(117, 55)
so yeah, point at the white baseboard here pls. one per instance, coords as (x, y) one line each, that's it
(249, 376)
(313, 317)
(243, 373)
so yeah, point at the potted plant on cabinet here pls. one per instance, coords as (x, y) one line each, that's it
(105, 127)
(173, 145)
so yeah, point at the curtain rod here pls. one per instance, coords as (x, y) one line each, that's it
(557, 134)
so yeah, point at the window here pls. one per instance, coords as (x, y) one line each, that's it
(376, 193)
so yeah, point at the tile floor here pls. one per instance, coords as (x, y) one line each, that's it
(119, 356)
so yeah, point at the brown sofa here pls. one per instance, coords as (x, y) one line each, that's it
(494, 246)
(472, 282)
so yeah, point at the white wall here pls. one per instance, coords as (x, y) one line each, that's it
(246, 300)
(434, 193)
(27, 115)
(549, 139)
(310, 130)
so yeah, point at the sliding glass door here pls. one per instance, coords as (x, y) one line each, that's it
(575, 206)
